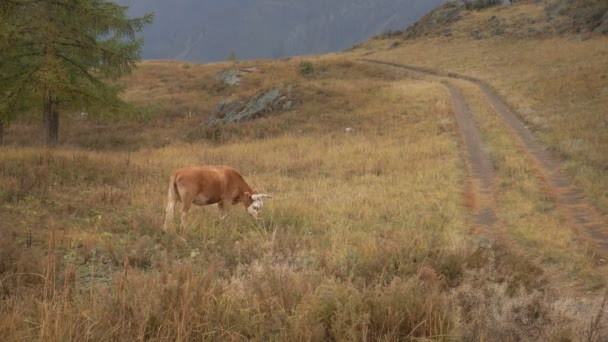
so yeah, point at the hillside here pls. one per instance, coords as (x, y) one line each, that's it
(211, 30)
(523, 20)
(426, 187)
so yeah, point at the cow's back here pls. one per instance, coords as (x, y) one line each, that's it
(214, 182)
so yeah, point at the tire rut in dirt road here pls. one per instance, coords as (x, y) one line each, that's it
(479, 193)
(568, 198)
(482, 169)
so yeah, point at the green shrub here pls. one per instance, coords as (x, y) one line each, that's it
(232, 57)
(306, 69)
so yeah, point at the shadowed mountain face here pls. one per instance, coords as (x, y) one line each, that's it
(210, 30)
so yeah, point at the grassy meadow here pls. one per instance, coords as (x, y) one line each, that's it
(368, 236)
(557, 85)
(527, 212)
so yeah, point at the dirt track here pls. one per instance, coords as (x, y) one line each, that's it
(577, 212)
(482, 171)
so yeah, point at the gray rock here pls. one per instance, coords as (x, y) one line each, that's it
(236, 111)
(499, 31)
(436, 20)
(477, 34)
(603, 26)
(287, 106)
(451, 14)
(564, 27)
(224, 107)
(231, 77)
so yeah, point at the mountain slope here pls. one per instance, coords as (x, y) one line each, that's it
(524, 19)
(374, 229)
(211, 30)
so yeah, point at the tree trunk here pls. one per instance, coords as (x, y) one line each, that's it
(51, 123)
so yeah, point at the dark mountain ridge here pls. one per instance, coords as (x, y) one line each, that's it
(211, 30)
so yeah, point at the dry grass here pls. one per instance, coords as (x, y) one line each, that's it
(526, 211)
(173, 102)
(367, 238)
(355, 218)
(558, 85)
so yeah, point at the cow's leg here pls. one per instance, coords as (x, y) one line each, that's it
(172, 198)
(169, 215)
(224, 207)
(186, 204)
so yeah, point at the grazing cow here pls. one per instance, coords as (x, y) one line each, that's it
(209, 185)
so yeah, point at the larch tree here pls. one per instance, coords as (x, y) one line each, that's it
(64, 55)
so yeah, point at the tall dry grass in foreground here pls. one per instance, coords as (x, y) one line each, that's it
(366, 238)
(336, 254)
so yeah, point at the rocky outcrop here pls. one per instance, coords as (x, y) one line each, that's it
(233, 77)
(562, 17)
(578, 17)
(437, 19)
(255, 107)
(603, 25)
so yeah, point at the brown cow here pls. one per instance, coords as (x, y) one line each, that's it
(209, 185)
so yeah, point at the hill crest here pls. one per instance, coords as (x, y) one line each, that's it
(481, 19)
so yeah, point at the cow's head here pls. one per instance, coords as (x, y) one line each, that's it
(254, 203)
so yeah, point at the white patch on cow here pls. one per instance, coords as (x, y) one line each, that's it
(255, 207)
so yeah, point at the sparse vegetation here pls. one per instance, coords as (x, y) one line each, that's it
(232, 57)
(186, 67)
(389, 34)
(481, 4)
(306, 68)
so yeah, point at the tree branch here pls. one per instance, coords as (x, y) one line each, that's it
(79, 67)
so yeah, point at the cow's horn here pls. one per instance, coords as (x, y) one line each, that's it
(261, 196)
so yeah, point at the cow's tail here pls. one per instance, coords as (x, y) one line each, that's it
(172, 198)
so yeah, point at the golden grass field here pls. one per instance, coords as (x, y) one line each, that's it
(369, 235)
(558, 85)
